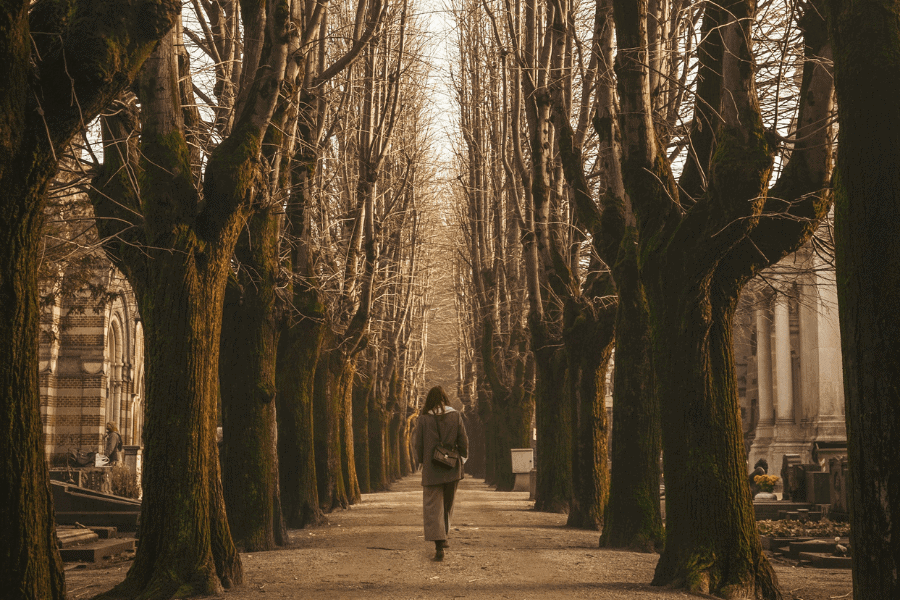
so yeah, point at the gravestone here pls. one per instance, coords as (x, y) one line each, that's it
(818, 488)
(800, 476)
(792, 485)
(823, 451)
(837, 479)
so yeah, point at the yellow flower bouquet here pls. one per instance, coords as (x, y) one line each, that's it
(766, 483)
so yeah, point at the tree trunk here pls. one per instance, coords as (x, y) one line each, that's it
(247, 375)
(512, 429)
(298, 355)
(394, 446)
(348, 454)
(178, 259)
(695, 254)
(633, 519)
(362, 392)
(30, 565)
(181, 305)
(510, 408)
(378, 451)
(475, 465)
(38, 119)
(328, 406)
(553, 416)
(693, 355)
(588, 336)
(867, 206)
(405, 462)
(486, 412)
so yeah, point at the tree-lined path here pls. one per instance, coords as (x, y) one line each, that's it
(500, 548)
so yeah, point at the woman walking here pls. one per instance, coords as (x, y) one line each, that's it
(439, 424)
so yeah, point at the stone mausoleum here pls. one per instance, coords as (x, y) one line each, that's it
(91, 367)
(788, 360)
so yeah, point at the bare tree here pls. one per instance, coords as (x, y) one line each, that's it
(176, 248)
(699, 243)
(47, 97)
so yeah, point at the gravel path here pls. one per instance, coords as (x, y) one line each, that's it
(499, 548)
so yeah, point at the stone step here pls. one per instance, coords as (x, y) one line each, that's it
(824, 560)
(121, 520)
(780, 544)
(817, 546)
(105, 533)
(770, 509)
(97, 551)
(799, 515)
(69, 537)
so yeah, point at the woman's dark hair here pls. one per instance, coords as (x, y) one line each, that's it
(436, 398)
(762, 463)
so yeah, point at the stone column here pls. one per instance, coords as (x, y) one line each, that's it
(764, 367)
(765, 427)
(784, 411)
(116, 390)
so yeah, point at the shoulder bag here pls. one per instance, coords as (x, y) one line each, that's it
(445, 455)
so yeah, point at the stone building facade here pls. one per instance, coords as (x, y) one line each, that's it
(788, 361)
(92, 367)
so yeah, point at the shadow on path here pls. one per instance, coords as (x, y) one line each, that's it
(499, 548)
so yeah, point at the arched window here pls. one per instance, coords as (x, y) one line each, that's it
(114, 374)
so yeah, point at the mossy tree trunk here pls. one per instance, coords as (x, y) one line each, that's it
(702, 434)
(362, 392)
(588, 334)
(179, 434)
(694, 257)
(405, 463)
(866, 38)
(348, 454)
(553, 418)
(328, 407)
(378, 443)
(298, 355)
(247, 375)
(177, 258)
(31, 565)
(633, 517)
(394, 446)
(37, 120)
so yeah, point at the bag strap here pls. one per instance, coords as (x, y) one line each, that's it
(437, 424)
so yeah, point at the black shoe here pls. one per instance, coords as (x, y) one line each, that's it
(439, 555)
(445, 544)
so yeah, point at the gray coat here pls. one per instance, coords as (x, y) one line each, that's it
(426, 437)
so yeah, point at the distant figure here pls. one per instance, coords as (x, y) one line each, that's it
(439, 423)
(760, 468)
(113, 443)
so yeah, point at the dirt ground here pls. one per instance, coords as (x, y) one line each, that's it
(499, 548)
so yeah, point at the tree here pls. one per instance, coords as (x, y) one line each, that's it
(699, 243)
(573, 473)
(866, 37)
(303, 307)
(493, 254)
(175, 249)
(632, 518)
(62, 63)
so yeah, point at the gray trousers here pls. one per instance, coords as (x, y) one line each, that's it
(437, 508)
